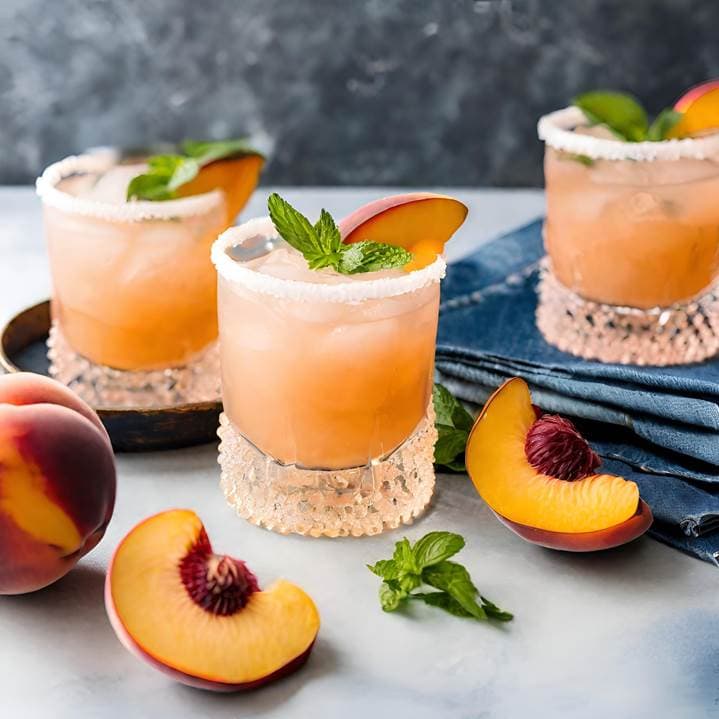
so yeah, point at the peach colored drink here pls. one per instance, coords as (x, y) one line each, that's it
(316, 380)
(133, 285)
(632, 238)
(625, 232)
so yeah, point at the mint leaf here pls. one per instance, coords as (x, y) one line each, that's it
(328, 233)
(367, 256)
(294, 227)
(206, 151)
(582, 160)
(389, 597)
(385, 568)
(449, 410)
(321, 244)
(436, 547)
(166, 173)
(620, 112)
(404, 557)
(454, 579)
(426, 563)
(442, 600)
(493, 611)
(453, 423)
(663, 124)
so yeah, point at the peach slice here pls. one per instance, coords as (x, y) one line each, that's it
(700, 110)
(200, 617)
(537, 475)
(421, 222)
(57, 481)
(237, 177)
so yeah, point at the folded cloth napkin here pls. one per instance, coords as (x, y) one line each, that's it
(658, 426)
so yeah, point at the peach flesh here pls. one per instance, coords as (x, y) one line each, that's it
(700, 110)
(514, 412)
(421, 222)
(57, 482)
(199, 617)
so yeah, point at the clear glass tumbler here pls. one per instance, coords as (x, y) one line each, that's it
(632, 241)
(134, 320)
(328, 425)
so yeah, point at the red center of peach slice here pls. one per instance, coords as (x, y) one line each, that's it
(219, 584)
(200, 616)
(420, 222)
(506, 438)
(555, 447)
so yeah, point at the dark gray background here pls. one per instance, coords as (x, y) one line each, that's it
(408, 92)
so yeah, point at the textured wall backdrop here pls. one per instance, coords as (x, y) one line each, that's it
(411, 92)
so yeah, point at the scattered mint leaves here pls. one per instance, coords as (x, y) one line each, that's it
(427, 564)
(453, 423)
(321, 244)
(166, 173)
(624, 115)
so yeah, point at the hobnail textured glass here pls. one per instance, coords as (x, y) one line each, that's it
(685, 332)
(101, 386)
(362, 500)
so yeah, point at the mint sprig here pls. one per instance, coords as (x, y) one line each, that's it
(166, 173)
(426, 564)
(321, 244)
(625, 117)
(453, 423)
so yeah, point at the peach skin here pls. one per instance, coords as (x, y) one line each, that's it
(537, 474)
(57, 481)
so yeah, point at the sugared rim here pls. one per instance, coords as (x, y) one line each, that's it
(556, 129)
(135, 211)
(346, 292)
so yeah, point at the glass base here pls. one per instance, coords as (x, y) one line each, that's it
(333, 503)
(108, 388)
(685, 332)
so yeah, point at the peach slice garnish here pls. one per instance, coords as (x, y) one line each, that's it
(421, 222)
(201, 617)
(700, 110)
(574, 513)
(237, 177)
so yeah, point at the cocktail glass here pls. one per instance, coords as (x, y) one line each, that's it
(328, 426)
(632, 241)
(134, 319)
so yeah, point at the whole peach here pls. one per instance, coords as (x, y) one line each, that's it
(57, 481)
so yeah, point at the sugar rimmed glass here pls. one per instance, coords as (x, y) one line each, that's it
(328, 426)
(632, 240)
(134, 320)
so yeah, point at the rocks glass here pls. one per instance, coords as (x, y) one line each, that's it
(632, 241)
(328, 425)
(134, 320)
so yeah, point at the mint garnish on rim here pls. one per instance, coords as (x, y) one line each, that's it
(168, 172)
(625, 117)
(321, 244)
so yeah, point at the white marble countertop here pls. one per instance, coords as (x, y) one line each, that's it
(632, 632)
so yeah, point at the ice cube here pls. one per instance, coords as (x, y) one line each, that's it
(111, 187)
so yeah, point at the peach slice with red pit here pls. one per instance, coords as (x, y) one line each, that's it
(201, 617)
(537, 474)
(57, 481)
(700, 110)
(237, 177)
(421, 222)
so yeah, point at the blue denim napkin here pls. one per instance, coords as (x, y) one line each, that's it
(658, 426)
